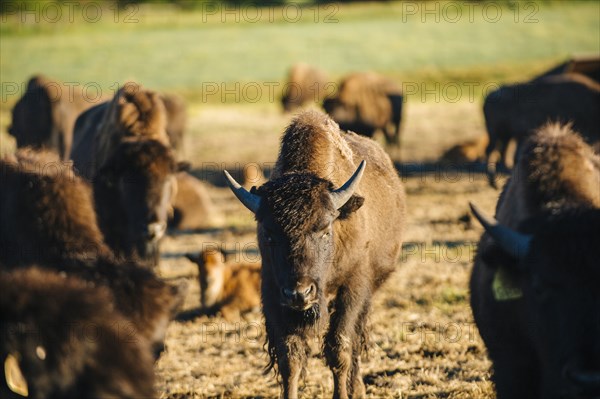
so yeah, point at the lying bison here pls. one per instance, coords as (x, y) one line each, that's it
(229, 288)
(44, 117)
(534, 287)
(327, 242)
(192, 206)
(61, 338)
(48, 219)
(367, 102)
(514, 112)
(305, 84)
(124, 148)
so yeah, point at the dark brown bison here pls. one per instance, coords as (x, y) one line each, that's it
(124, 148)
(513, 112)
(176, 119)
(45, 115)
(305, 84)
(60, 337)
(192, 206)
(48, 219)
(585, 65)
(534, 287)
(367, 102)
(329, 232)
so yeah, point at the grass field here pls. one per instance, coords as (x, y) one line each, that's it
(170, 49)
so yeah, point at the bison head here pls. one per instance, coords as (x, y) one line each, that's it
(559, 274)
(295, 215)
(133, 192)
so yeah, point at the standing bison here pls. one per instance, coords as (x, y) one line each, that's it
(367, 102)
(329, 226)
(44, 117)
(534, 287)
(305, 84)
(124, 148)
(513, 112)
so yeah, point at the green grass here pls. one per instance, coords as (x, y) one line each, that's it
(170, 49)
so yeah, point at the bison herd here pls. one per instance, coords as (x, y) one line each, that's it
(83, 313)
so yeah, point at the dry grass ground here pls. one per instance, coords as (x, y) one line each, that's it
(424, 343)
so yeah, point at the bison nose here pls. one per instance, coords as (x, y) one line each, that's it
(300, 295)
(155, 231)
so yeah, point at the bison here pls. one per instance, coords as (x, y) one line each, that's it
(176, 119)
(329, 229)
(367, 102)
(513, 112)
(305, 84)
(45, 115)
(534, 286)
(231, 289)
(124, 148)
(466, 152)
(48, 219)
(60, 337)
(192, 206)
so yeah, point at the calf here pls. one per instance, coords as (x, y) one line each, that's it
(534, 287)
(231, 289)
(330, 233)
(60, 337)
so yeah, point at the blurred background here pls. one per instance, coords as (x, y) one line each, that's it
(232, 58)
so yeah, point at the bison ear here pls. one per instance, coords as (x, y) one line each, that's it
(353, 204)
(183, 166)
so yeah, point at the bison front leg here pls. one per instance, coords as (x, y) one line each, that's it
(342, 344)
(291, 352)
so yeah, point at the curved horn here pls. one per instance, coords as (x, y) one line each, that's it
(340, 196)
(513, 242)
(250, 201)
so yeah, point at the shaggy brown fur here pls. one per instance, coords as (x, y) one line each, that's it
(305, 84)
(133, 112)
(176, 119)
(47, 211)
(536, 341)
(367, 102)
(467, 152)
(123, 146)
(45, 116)
(192, 206)
(342, 255)
(514, 112)
(48, 219)
(68, 339)
(229, 288)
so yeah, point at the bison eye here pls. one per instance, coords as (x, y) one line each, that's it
(326, 235)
